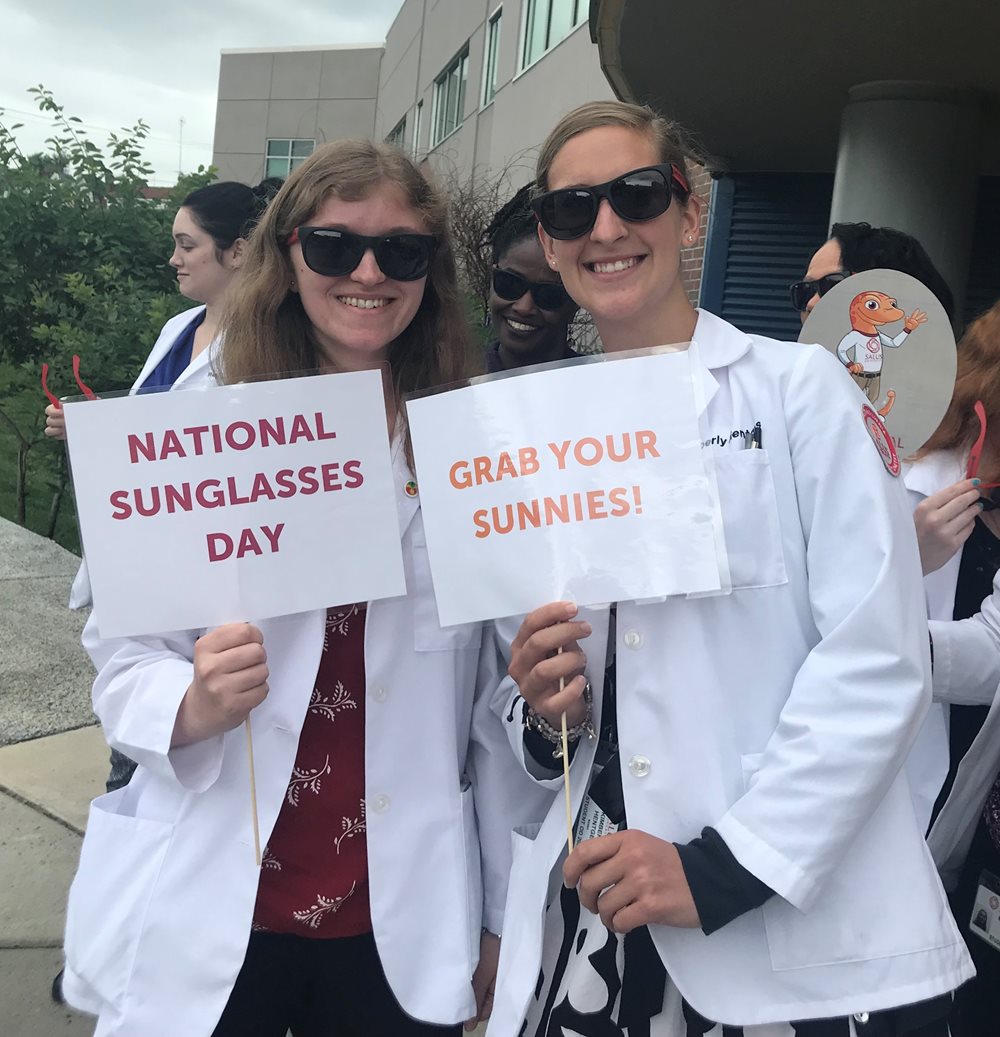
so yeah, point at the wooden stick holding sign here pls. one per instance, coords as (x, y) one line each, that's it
(253, 791)
(565, 759)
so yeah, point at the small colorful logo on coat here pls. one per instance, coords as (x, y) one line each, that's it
(410, 489)
(880, 437)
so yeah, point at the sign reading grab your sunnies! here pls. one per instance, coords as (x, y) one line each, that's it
(206, 506)
(582, 481)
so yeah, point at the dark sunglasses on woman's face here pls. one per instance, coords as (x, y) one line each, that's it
(547, 294)
(643, 194)
(802, 291)
(335, 253)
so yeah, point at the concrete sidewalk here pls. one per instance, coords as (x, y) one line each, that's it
(53, 761)
(45, 788)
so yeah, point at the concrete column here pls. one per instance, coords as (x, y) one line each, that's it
(909, 158)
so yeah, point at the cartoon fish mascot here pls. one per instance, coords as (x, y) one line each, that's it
(861, 349)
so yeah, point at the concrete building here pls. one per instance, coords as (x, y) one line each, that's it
(275, 105)
(471, 85)
(885, 113)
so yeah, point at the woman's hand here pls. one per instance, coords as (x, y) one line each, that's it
(230, 679)
(630, 879)
(944, 521)
(55, 422)
(484, 979)
(537, 666)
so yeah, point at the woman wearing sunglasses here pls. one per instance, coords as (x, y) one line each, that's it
(376, 779)
(755, 831)
(953, 483)
(530, 310)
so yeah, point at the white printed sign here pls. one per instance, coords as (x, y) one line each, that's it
(205, 506)
(584, 482)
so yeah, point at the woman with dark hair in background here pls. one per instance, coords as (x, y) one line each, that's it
(530, 310)
(210, 231)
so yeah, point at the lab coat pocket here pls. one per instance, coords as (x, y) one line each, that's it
(428, 634)
(473, 871)
(119, 864)
(864, 910)
(750, 519)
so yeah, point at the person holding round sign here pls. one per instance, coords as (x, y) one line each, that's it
(742, 830)
(384, 799)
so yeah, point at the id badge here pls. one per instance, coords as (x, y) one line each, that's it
(985, 920)
(603, 810)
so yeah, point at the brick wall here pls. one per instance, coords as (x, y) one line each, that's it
(693, 257)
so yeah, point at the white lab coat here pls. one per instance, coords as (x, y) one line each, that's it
(779, 714)
(160, 910)
(197, 373)
(966, 673)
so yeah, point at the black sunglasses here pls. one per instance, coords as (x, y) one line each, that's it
(802, 291)
(548, 295)
(640, 195)
(334, 253)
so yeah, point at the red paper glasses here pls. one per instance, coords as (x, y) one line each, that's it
(85, 389)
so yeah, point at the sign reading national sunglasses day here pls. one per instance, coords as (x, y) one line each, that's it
(582, 480)
(200, 507)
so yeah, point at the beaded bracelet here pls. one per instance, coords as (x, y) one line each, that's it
(534, 722)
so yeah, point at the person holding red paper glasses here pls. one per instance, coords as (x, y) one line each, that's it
(747, 854)
(953, 484)
(384, 785)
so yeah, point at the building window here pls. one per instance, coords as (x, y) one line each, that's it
(418, 120)
(398, 134)
(449, 98)
(546, 23)
(490, 64)
(284, 155)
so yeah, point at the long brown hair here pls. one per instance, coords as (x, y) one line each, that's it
(671, 141)
(978, 378)
(265, 330)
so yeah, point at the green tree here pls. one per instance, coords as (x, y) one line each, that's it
(83, 270)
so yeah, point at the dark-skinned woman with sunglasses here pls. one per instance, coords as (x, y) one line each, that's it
(744, 831)
(530, 310)
(952, 484)
(385, 799)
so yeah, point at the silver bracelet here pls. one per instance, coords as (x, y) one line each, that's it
(535, 722)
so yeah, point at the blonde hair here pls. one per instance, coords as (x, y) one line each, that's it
(671, 142)
(265, 330)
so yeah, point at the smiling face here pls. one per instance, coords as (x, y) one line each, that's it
(626, 274)
(527, 333)
(357, 316)
(203, 274)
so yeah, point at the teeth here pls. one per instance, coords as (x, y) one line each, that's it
(516, 325)
(363, 304)
(615, 267)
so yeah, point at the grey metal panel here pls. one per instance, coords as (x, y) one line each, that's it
(296, 74)
(292, 119)
(350, 73)
(245, 77)
(240, 126)
(244, 168)
(345, 119)
(397, 91)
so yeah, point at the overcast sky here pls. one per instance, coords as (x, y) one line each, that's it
(112, 62)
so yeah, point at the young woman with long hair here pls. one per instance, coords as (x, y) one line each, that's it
(377, 782)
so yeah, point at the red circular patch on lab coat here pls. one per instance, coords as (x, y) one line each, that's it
(880, 437)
